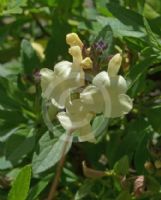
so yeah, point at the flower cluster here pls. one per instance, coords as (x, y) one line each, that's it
(66, 88)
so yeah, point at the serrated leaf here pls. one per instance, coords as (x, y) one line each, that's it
(49, 152)
(20, 188)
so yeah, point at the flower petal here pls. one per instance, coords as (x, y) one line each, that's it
(101, 80)
(92, 99)
(117, 84)
(65, 120)
(47, 76)
(66, 79)
(120, 105)
(86, 134)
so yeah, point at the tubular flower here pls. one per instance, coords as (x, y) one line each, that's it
(56, 85)
(108, 92)
(76, 118)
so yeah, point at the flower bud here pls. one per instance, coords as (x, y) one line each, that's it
(87, 63)
(114, 65)
(72, 39)
(75, 51)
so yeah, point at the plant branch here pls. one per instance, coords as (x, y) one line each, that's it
(60, 165)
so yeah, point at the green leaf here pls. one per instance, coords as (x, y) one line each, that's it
(38, 188)
(49, 152)
(126, 16)
(19, 145)
(142, 155)
(122, 166)
(118, 28)
(152, 184)
(138, 74)
(99, 125)
(125, 195)
(13, 6)
(154, 115)
(30, 60)
(153, 40)
(152, 8)
(5, 164)
(20, 188)
(84, 190)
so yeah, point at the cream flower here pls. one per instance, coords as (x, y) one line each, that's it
(57, 84)
(108, 93)
(76, 118)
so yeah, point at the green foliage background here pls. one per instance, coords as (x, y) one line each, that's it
(134, 27)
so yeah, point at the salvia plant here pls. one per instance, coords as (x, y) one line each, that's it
(80, 100)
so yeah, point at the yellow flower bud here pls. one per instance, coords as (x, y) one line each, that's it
(114, 65)
(75, 51)
(87, 63)
(72, 39)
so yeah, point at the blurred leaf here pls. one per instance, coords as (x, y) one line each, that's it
(121, 167)
(152, 8)
(138, 73)
(119, 29)
(124, 196)
(153, 40)
(84, 190)
(19, 145)
(20, 188)
(154, 115)
(48, 152)
(13, 6)
(30, 60)
(141, 154)
(126, 16)
(5, 164)
(38, 188)
(152, 184)
(10, 69)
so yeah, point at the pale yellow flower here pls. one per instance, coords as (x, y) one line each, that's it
(107, 94)
(76, 118)
(57, 84)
